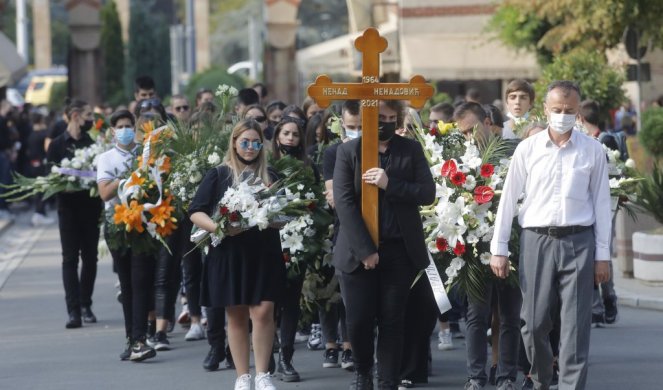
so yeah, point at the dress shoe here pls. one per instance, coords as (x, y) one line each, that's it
(74, 321)
(362, 382)
(285, 371)
(215, 356)
(88, 315)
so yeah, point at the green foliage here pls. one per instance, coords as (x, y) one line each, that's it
(149, 47)
(597, 80)
(651, 134)
(210, 79)
(59, 93)
(650, 194)
(112, 49)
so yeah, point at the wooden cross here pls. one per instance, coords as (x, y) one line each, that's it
(370, 91)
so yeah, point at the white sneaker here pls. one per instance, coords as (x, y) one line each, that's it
(315, 339)
(41, 220)
(263, 381)
(446, 342)
(196, 332)
(243, 382)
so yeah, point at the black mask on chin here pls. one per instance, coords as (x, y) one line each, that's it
(87, 125)
(290, 150)
(244, 161)
(386, 130)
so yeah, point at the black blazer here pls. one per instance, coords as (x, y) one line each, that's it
(410, 186)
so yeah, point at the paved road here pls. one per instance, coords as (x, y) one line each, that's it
(36, 352)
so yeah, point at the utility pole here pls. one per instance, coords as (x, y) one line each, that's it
(22, 30)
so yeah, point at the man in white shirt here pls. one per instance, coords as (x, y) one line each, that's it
(564, 244)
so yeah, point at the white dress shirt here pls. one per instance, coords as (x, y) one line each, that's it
(563, 186)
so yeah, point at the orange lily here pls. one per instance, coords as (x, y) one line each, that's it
(135, 180)
(161, 214)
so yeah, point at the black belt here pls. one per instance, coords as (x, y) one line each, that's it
(559, 231)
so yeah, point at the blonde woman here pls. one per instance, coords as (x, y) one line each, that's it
(244, 273)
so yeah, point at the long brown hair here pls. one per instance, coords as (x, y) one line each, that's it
(233, 162)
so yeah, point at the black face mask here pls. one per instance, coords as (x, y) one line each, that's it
(290, 150)
(244, 161)
(386, 130)
(87, 125)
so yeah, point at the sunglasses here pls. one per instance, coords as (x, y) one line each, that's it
(181, 108)
(149, 103)
(255, 145)
(259, 119)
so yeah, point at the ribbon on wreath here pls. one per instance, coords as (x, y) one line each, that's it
(77, 173)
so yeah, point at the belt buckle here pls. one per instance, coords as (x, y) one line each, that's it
(554, 231)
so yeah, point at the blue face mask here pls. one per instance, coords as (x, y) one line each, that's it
(352, 134)
(125, 135)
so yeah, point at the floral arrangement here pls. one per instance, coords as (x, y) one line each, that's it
(70, 175)
(146, 205)
(460, 224)
(624, 181)
(189, 170)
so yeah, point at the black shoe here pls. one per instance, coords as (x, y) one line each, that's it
(74, 321)
(126, 354)
(527, 384)
(215, 356)
(286, 372)
(230, 364)
(331, 358)
(598, 320)
(347, 362)
(88, 315)
(362, 382)
(610, 310)
(159, 342)
(141, 351)
(493, 373)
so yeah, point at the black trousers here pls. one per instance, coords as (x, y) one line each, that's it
(78, 219)
(168, 276)
(216, 331)
(422, 313)
(379, 296)
(289, 310)
(192, 269)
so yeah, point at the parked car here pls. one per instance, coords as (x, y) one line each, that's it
(39, 90)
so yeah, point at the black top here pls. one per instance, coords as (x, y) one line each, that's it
(64, 145)
(328, 162)
(5, 142)
(389, 229)
(35, 151)
(58, 128)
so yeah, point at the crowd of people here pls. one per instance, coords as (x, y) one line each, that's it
(240, 290)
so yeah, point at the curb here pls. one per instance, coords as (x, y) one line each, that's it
(639, 302)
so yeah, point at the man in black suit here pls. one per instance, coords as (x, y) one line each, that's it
(375, 280)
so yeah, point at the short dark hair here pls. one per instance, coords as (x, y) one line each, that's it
(446, 109)
(565, 85)
(473, 93)
(73, 105)
(293, 109)
(470, 108)
(351, 107)
(494, 114)
(263, 89)
(589, 110)
(399, 107)
(520, 85)
(143, 82)
(122, 114)
(275, 105)
(248, 96)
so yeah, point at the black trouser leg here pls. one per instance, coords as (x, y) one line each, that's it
(329, 316)
(216, 322)
(420, 321)
(290, 310)
(142, 280)
(71, 242)
(192, 268)
(122, 265)
(89, 233)
(167, 276)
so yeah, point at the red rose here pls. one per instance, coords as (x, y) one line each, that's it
(234, 216)
(487, 170)
(459, 250)
(483, 194)
(433, 131)
(458, 178)
(449, 168)
(286, 257)
(223, 210)
(441, 244)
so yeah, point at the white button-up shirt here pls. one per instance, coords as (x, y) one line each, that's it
(563, 186)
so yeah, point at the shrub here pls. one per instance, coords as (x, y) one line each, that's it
(651, 134)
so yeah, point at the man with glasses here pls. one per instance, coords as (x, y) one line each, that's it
(180, 108)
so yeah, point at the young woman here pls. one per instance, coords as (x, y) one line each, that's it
(245, 273)
(136, 272)
(78, 219)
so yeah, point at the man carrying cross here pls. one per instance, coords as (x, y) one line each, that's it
(376, 279)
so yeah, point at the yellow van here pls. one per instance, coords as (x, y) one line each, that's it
(39, 90)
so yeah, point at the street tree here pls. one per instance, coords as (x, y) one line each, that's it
(112, 48)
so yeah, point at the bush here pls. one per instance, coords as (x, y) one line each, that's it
(59, 92)
(211, 78)
(651, 134)
(597, 80)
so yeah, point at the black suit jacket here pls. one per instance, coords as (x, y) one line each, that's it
(410, 186)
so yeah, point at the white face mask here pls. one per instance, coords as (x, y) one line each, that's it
(561, 123)
(352, 134)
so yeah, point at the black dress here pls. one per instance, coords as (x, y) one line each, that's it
(245, 269)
